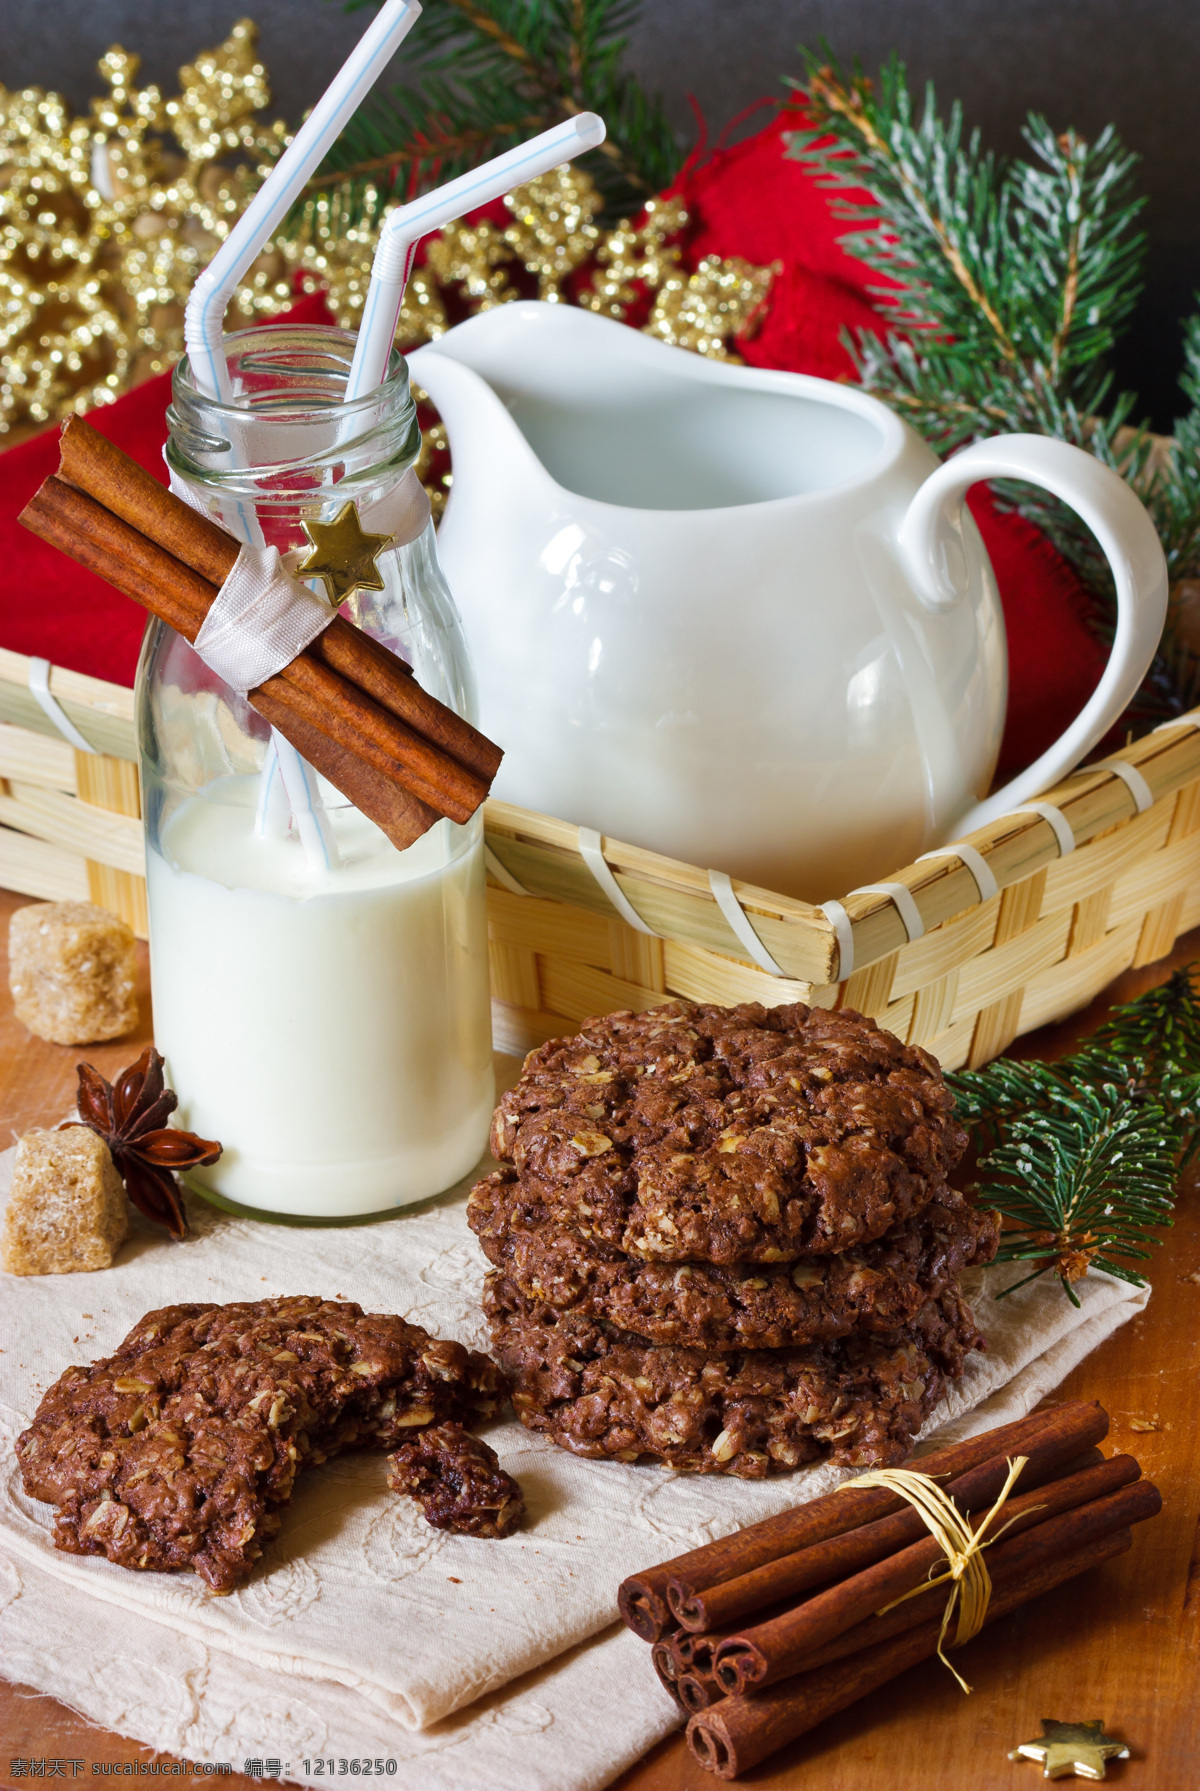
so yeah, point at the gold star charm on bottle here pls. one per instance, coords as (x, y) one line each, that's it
(1078, 1749)
(343, 555)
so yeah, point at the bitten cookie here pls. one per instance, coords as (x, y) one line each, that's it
(877, 1287)
(177, 1450)
(458, 1482)
(729, 1135)
(600, 1392)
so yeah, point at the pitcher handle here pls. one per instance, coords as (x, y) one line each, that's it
(932, 547)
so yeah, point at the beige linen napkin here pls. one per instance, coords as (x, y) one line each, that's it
(573, 1725)
(358, 1592)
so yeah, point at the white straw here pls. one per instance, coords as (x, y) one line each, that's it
(204, 337)
(308, 811)
(204, 321)
(405, 227)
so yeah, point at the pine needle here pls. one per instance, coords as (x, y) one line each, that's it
(1085, 1154)
(486, 74)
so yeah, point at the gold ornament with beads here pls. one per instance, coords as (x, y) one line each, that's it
(105, 221)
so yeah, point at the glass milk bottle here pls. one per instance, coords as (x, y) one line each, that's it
(320, 997)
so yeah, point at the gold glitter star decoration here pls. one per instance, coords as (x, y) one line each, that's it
(1076, 1750)
(343, 556)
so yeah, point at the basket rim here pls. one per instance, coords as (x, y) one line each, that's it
(540, 856)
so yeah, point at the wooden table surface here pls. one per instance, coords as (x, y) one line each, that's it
(1122, 1643)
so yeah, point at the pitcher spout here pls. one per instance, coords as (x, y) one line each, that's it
(485, 442)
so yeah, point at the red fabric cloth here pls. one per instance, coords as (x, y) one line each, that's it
(756, 197)
(748, 200)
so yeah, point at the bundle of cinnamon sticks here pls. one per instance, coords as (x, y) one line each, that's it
(764, 1634)
(352, 708)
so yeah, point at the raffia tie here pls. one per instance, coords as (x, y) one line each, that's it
(971, 1584)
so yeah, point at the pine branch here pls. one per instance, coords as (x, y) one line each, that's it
(1173, 497)
(486, 74)
(1160, 1029)
(447, 151)
(1010, 280)
(400, 145)
(1085, 1153)
(1086, 1182)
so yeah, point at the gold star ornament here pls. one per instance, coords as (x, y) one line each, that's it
(343, 555)
(1076, 1750)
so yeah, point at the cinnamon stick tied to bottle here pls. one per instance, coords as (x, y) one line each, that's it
(352, 708)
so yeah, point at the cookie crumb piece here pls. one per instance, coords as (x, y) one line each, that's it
(67, 1209)
(72, 972)
(458, 1482)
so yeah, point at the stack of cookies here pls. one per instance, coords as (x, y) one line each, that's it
(724, 1238)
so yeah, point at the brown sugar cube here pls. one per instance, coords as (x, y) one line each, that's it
(72, 969)
(67, 1208)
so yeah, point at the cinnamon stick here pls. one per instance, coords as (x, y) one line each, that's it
(87, 534)
(736, 1733)
(643, 1597)
(399, 814)
(93, 536)
(780, 1581)
(90, 461)
(341, 710)
(368, 664)
(697, 1691)
(774, 1650)
(667, 1668)
(693, 1651)
(762, 1549)
(685, 1646)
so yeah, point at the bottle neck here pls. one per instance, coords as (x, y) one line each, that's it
(289, 435)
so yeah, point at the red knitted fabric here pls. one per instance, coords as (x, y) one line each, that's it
(748, 200)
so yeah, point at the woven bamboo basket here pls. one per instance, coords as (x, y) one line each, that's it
(960, 954)
(70, 821)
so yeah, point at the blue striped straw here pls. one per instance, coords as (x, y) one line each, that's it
(405, 227)
(204, 319)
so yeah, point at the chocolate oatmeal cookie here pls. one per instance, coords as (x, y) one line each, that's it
(177, 1451)
(729, 1135)
(599, 1391)
(458, 1482)
(877, 1287)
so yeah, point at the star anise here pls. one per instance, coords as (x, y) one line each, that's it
(130, 1115)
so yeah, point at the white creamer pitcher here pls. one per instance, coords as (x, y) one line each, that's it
(742, 617)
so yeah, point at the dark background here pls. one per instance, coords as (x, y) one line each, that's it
(1133, 63)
